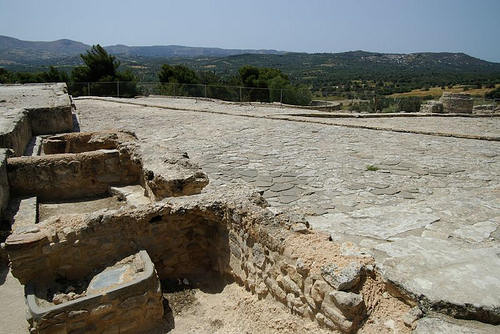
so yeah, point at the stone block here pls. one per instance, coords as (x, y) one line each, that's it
(342, 279)
(15, 130)
(431, 107)
(350, 304)
(456, 103)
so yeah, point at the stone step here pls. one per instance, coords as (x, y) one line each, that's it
(134, 194)
(26, 216)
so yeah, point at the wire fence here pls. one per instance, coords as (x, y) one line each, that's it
(291, 96)
(298, 96)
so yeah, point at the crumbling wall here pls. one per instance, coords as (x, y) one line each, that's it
(78, 142)
(456, 103)
(431, 107)
(180, 244)
(188, 237)
(66, 176)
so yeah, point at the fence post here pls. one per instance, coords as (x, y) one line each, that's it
(118, 89)
(205, 91)
(88, 88)
(174, 88)
(240, 94)
(281, 97)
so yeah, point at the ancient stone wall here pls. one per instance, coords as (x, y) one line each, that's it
(133, 307)
(431, 107)
(456, 103)
(78, 142)
(51, 120)
(187, 239)
(15, 130)
(4, 184)
(65, 176)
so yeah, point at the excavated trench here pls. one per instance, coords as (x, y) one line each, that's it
(90, 209)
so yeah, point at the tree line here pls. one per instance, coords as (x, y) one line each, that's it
(100, 70)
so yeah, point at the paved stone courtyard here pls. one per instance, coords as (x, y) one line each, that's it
(427, 207)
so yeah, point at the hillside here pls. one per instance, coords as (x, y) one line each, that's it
(330, 69)
(17, 52)
(14, 51)
(349, 71)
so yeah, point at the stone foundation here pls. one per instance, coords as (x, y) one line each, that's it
(78, 142)
(226, 233)
(33, 109)
(66, 176)
(456, 103)
(77, 165)
(431, 107)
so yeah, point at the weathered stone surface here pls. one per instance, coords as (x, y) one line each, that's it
(351, 304)
(226, 231)
(342, 279)
(66, 176)
(484, 109)
(477, 232)
(26, 215)
(119, 299)
(78, 142)
(456, 103)
(430, 269)
(4, 183)
(431, 107)
(134, 195)
(170, 174)
(376, 222)
(412, 315)
(434, 325)
(15, 130)
(457, 199)
(48, 105)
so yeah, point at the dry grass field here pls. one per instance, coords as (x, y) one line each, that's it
(438, 91)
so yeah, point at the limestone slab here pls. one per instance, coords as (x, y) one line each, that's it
(375, 222)
(443, 276)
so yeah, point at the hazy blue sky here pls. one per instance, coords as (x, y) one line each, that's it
(470, 26)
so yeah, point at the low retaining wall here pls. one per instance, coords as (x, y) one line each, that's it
(213, 232)
(78, 142)
(52, 119)
(132, 307)
(65, 176)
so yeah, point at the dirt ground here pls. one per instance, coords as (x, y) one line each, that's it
(12, 306)
(233, 310)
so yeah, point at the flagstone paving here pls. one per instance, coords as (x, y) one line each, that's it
(427, 207)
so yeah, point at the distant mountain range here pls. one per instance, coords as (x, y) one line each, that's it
(310, 68)
(15, 51)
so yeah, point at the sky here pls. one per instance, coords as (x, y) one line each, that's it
(396, 26)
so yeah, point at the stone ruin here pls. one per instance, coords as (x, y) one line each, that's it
(98, 221)
(434, 107)
(457, 103)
